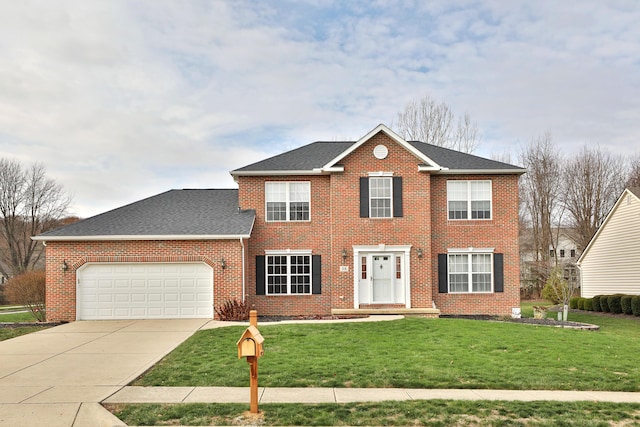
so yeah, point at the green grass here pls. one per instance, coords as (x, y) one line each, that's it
(17, 317)
(414, 413)
(12, 332)
(415, 353)
(15, 331)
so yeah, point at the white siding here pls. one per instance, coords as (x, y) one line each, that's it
(612, 262)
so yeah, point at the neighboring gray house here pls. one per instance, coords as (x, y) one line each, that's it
(610, 263)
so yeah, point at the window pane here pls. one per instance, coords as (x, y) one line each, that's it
(299, 211)
(481, 283)
(276, 211)
(481, 268)
(480, 199)
(299, 191)
(457, 197)
(276, 274)
(300, 274)
(481, 210)
(458, 273)
(380, 197)
(457, 210)
(276, 191)
(480, 190)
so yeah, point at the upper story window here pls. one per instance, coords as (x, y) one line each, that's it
(288, 201)
(469, 199)
(380, 197)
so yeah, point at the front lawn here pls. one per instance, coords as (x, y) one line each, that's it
(406, 413)
(415, 353)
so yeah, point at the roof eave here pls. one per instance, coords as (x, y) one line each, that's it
(317, 171)
(481, 171)
(100, 238)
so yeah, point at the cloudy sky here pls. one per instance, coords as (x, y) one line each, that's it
(122, 100)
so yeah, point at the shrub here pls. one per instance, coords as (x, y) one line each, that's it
(625, 302)
(604, 303)
(28, 289)
(595, 302)
(588, 304)
(580, 303)
(615, 306)
(573, 302)
(635, 305)
(233, 310)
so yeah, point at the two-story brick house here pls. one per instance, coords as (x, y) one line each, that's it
(331, 227)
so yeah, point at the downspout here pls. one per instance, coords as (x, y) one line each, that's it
(243, 271)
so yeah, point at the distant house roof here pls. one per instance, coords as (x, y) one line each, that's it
(175, 214)
(324, 157)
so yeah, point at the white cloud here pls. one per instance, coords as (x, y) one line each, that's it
(123, 99)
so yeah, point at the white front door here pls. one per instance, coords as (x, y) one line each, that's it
(381, 275)
(382, 279)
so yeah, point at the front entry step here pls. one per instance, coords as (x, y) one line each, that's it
(425, 312)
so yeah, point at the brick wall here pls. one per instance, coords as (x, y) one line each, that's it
(336, 226)
(61, 285)
(499, 233)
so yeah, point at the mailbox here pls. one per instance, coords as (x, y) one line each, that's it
(250, 343)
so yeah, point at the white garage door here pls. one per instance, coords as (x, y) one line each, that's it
(144, 291)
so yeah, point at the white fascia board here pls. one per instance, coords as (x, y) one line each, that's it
(140, 237)
(279, 173)
(391, 134)
(481, 171)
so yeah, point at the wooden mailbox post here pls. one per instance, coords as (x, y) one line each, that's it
(250, 346)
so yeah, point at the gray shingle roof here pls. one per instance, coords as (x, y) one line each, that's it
(456, 160)
(318, 154)
(306, 158)
(188, 213)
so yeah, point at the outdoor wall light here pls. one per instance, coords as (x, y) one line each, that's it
(344, 255)
(419, 252)
(223, 263)
(65, 266)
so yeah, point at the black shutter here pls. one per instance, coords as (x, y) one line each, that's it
(397, 196)
(260, 272)
(364, 197)
(316, 275)
(443, 287)
(498, 273)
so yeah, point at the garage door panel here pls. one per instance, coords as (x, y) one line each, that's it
(145, 290)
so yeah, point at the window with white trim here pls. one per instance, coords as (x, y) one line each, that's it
(380, 197)
(288, 201)
(469, 199)
(288, 274)
(470, 273)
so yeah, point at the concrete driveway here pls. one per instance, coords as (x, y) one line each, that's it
(56, 377)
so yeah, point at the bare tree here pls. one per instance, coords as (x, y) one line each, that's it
(434, 122)
(593, 181)
(540, 192)
(634, 172)
(30, 203)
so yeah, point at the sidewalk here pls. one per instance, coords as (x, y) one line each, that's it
(344, 395)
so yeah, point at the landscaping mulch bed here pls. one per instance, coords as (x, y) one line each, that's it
(528, 321)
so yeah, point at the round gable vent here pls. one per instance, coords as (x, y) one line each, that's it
(380, 152)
